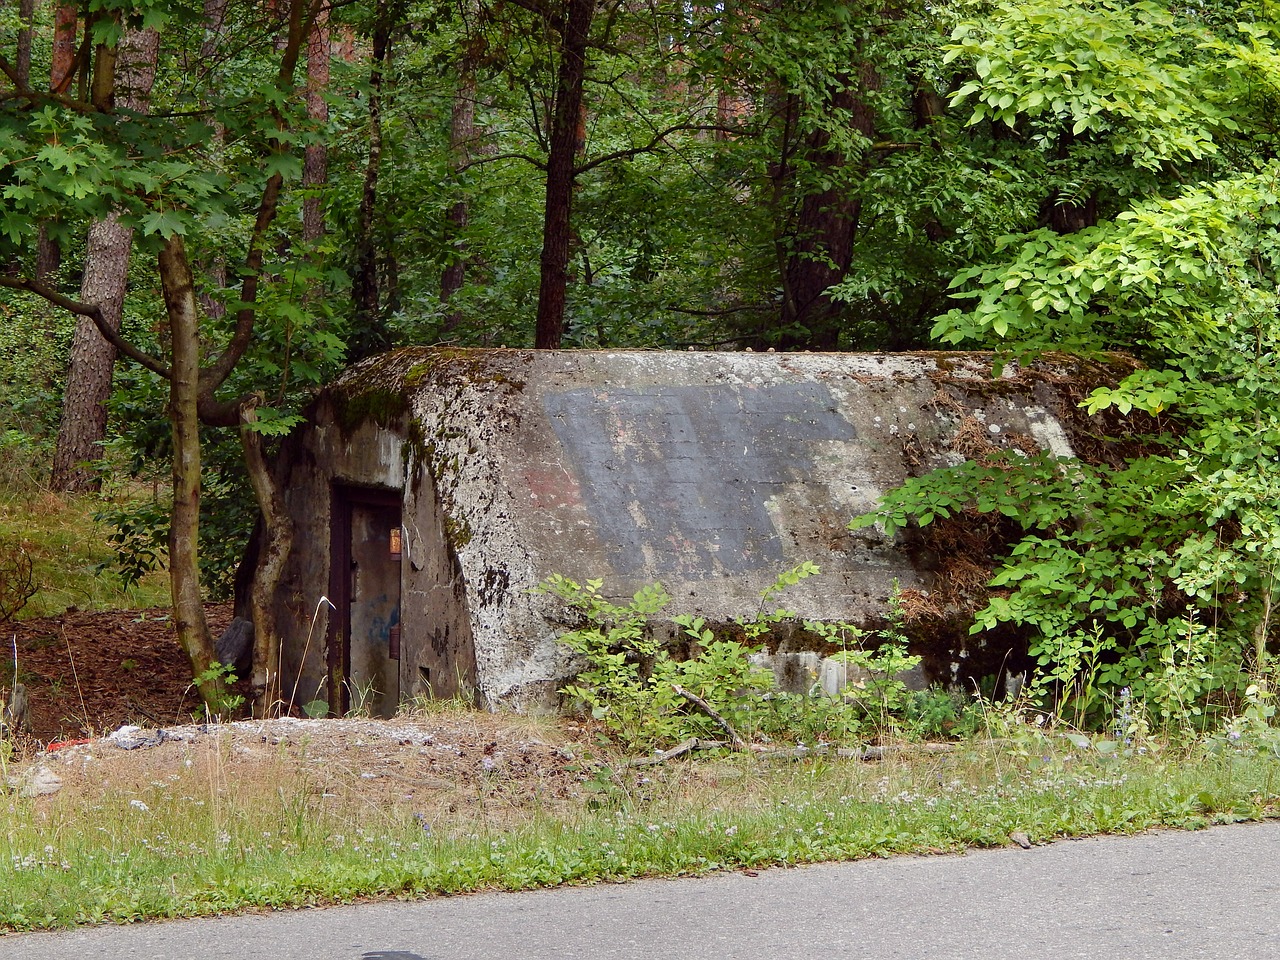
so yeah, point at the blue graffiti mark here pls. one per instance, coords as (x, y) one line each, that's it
(380, 619)
(684, 473)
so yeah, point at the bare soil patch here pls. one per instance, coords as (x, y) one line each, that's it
(89, 674)
(449, 768)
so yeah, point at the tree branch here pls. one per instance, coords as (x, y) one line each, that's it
(735, 741)
(660, 136)
(302, 16)
(539, 164)
(14, 76)
(94, 313)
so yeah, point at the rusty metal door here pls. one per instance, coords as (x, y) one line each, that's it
(365, 661)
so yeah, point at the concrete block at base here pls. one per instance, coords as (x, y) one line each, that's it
(792, 672)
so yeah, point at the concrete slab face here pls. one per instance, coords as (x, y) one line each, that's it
(708, 472)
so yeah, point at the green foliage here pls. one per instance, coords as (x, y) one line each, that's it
(876, 685)
(1122, 75)
(222, 675)
(1156, 576)
(630, 678)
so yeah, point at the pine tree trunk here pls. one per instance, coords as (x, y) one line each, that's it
(369, 337)
(557, 224)
(215, 269)
(84, 411)
(462, 130)
(315, 162)
(48, 254)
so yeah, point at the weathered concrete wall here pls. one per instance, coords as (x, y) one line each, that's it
(708, 472)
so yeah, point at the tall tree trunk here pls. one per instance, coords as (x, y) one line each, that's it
(84, 405)
(184, 421)
(557, 223)
(462, 130)
(22, 59)
(369, 335)
(315, 163)
(214, 270)
(48, 254)
(822, 243)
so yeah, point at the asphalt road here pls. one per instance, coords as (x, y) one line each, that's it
(1207, 895)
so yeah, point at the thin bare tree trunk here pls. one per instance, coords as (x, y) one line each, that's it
(22, 59)
(557, 223)
(369, 337)
(215, 270)
(84, 405)
(462, 131)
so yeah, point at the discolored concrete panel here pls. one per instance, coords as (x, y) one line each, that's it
(692, 465)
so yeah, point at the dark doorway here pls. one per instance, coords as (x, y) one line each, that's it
(364, 652)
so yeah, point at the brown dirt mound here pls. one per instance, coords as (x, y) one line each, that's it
(441, 764)
(90, 674)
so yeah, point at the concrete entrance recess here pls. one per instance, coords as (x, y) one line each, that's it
(432, 490)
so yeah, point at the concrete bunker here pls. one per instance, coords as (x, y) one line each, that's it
(431, 490)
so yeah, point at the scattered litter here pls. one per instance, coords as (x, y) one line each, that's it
(62, 744)
(131, 738)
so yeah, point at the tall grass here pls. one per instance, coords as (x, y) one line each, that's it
(204, 838)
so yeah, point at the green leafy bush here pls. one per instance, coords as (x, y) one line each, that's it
(631, 682)
(1158, 575)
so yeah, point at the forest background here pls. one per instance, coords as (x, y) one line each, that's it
(240, 198)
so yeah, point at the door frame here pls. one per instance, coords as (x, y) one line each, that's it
(344, 498)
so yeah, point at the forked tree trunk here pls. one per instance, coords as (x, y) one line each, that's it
(557, 222)
(273, 552)
(84, 405)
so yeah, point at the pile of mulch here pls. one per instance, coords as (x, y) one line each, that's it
(87, 673)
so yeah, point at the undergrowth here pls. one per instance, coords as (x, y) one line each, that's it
(71, 560)
(632, 680)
